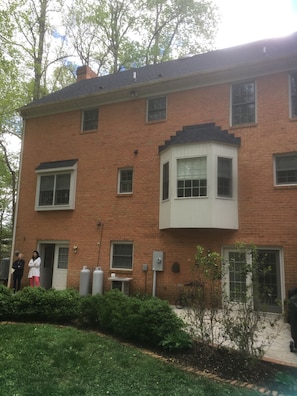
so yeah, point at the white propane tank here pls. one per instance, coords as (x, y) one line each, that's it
(84, 283)
(97, 281)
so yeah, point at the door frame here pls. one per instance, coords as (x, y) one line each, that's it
(280, 275)
(49, 264)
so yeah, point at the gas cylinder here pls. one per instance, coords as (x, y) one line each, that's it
(97, 281)
(84, 283)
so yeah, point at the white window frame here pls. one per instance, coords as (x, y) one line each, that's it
(125, 268)
(53, 169)
(96, 121)
(232, 105)
(149, 111)
(190, 177)
(121, 182)
(290, 168)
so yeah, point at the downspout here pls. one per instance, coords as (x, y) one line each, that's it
(12, 258)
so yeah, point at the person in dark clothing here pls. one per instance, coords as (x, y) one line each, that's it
(18, 267)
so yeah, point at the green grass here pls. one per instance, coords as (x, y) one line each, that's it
(56, 361)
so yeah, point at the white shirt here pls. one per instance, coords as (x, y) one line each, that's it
(34, 267)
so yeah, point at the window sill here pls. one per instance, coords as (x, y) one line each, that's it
(243, 126)
(88, 131)
(124, 195)
(155, 122)
(286, 187)
(52, 208)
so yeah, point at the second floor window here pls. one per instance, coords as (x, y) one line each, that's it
(293, 91)
(89, 120)
(243, 103)
(191, 177)
(156, 109)
(125, 181)
(224, 177)
(56, 183)
(54, 189)
(165, 190)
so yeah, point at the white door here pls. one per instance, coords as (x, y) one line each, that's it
(60, 267)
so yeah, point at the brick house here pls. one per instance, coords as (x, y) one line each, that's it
(132, 171)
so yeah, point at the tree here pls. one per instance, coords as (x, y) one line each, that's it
(115, 35)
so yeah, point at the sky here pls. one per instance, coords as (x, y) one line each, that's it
(244, 21)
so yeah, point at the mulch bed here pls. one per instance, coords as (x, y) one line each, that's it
(231, 366)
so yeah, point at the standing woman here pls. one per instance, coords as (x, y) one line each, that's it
(34, 271)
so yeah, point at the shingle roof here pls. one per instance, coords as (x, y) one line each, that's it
(201, 133)
(217, 60)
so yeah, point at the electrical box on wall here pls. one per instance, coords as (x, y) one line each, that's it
(157, 260)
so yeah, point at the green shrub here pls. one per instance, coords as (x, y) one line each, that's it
(6, 308)
(53, 306)
(89, 310)
(61, 306)
(28, 304)
(147, 320)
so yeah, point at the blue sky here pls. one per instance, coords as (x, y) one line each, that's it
(244, 21)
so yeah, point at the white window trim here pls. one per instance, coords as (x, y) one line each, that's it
(82, 130)
(231, 104)
(119, 180)
(147, 108)
(54, 171)
(274, 170)
(111, 255)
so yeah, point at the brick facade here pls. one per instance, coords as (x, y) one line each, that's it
(267, 214)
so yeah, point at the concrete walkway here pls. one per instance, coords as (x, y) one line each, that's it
(280, 336)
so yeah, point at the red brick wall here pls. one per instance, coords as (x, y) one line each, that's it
(267, 215)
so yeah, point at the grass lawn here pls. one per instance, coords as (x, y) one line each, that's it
(56, 361)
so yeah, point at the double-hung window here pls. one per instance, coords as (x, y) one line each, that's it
(224, 177)
(293, 93)
(125, 181)
(89, 120)
(56, 183)
(191, 177)
(243, 103)
(286, 169)
(122, 255)
(157, 109)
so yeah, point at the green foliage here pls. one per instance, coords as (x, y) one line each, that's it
(142, 319)
(176, 341)
(38, 304)
(89, 310)
(147, 320)
(6, 310)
